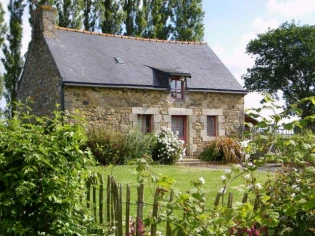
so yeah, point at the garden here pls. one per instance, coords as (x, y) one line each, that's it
(60, 178)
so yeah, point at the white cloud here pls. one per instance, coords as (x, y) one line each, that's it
(260, 25)
(238, 61)
(291, 8)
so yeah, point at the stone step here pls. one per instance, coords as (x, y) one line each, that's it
(192, 162)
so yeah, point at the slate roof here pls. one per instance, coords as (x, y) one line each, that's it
(88, 59)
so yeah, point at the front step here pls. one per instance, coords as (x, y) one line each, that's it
(192, 162)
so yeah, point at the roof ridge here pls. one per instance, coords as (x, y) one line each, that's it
(129, 37)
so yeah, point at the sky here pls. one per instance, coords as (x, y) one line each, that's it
(231, 24)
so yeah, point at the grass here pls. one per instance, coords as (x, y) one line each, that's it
(183, 176)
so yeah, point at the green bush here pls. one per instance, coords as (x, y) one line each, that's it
(211, 153)
(117, 147)
(43, 176)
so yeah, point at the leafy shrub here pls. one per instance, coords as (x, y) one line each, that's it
(119, 147)
(42, 178)
(226, 149)
(231, 149)
(168, 149)
(211, 153)
(293, 195)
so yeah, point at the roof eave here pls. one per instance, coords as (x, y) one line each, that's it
(99, 85)
(217, 90)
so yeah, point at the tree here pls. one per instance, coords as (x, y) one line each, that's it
(2, 34)
(112, 17)
(187, 18)
(285, 61)
(13, 61)
(130, 11)
(158, 22)
(69, 13)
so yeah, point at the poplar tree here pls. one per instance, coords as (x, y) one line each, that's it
(142, 15)
(188, 20)
(13, 61)
(70, 13)
(92, 14)
(130, 11)
(112, 18)
(2, 34)
(159, 15)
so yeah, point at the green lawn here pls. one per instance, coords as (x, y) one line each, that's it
(183, 176)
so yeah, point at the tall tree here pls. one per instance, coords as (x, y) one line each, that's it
(159, 15)
(285, 61)
(112, 17)
(13, 61)
(92, 14)
(70, 13)
(142, 16)
(188, 20)
(130, 10)
(3, 29)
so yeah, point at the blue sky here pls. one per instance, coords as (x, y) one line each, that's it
(231, 24)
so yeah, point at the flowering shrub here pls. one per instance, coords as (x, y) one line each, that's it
(169, 148)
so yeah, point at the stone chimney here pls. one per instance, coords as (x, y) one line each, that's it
(44, 18)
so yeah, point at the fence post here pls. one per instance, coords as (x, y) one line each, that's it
(245, 196)
(139, 208)
(101, 199)
(168, 224)
(94, 198)
(155, 212)
(230, 200)
(119, 225)
(88, 192)
(127, 209)
(217, 199)
(108, 197)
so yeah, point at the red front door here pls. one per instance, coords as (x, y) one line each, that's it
(179, 125)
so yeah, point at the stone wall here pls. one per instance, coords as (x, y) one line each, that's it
(41, 80)
(119, 108)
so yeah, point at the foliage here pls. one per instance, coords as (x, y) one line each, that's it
(296, 150)
(116, 147)
(158, 25)
(285, 61)
(43, 176)
(211, 152)
(70, 13)
(13, 61)
(255, 214)
(3, 30)
(112, 17)
(169, 148)
(292, 191)
(187, 18)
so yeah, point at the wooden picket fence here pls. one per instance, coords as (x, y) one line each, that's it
(109, 206)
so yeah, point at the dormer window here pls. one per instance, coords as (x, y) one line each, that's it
(177, 87)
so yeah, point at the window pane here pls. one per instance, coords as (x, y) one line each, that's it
(178, 124)
(211, 126)
(144, 123)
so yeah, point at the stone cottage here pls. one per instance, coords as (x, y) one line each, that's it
(126, 82)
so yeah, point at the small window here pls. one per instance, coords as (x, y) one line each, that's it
(177, 88)
(212, 126)
(144, 123)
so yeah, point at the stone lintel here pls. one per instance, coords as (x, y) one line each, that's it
(180, 112)
(212, 112)
(145, 110)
